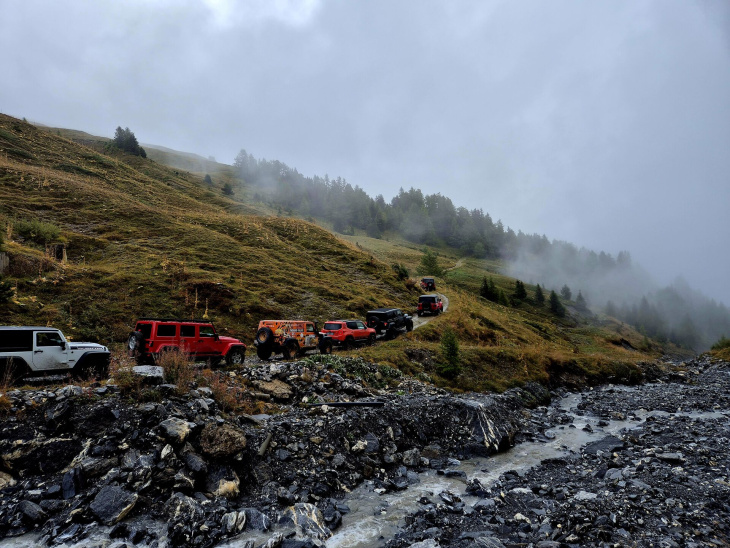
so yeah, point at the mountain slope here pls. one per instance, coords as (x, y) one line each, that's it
(144, 239)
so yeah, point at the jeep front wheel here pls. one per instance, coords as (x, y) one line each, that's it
(291, 349)
(235, 357)
(371, 340)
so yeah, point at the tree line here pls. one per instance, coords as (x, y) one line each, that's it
(433, 219)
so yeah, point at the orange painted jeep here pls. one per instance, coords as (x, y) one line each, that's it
(291, 338)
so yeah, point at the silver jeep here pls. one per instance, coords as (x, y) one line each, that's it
(32, 351)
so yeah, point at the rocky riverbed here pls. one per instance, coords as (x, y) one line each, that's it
(664, 481)
(94, 467)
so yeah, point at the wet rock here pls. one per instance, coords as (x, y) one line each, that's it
(174, 430)
(112, 504)
(307, 520)
(223, 441)
(256, 520)
(277, 389)
(32, 513)
(222, 481)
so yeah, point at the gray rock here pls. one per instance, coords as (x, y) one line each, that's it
(112, 504)
(151, 374)
(307, 520)
(174, 430)
(32, 513)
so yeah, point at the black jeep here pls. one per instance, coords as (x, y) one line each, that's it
(389, 321)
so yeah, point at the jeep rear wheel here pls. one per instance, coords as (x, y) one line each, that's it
(235, 357)
(349, 343)
(325, 346)
(371, 340)
(291, 349)
(263, 352)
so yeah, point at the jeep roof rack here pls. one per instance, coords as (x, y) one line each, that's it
(172, 320)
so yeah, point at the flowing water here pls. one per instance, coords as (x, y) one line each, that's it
(375, 517)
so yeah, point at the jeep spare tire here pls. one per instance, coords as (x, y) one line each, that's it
(134, 343)
(264, 336)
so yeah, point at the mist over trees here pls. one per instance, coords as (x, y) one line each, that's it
(605, 283)
(622, 289)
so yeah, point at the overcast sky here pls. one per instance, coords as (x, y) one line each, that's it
(604, 123)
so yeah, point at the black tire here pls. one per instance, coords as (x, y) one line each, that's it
(13, 372)
(290, 351)
(325, 346)
(390, 334)
(409, 327)
(371, 340)
(135, 343)
(263, 352)
(235, 357)
(264, 336)
(94, 368)
(349, 343)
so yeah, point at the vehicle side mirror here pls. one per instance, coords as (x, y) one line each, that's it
(63, 345)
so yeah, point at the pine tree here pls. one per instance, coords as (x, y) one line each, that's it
(580, 302)
(566, 293)
(6, 290)
(227, 189)
(556, 307)
(520, 292)
(539, 295)
(207, 180)
(488, 290)
(429, 264)
(502, 299)
(451, 365)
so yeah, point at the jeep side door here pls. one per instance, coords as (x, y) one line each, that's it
(207, 344)
(50, 351)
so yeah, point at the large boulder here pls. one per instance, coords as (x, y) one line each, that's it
(112, 504)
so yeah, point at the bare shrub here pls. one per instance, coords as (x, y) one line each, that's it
(178, 368)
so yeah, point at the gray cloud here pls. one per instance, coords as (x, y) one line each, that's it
(603, 123)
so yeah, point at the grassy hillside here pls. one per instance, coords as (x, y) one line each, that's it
(146, 237)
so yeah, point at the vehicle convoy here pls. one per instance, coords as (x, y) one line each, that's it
(31, 351)
(389, 321)
(347, 333)
(428, 284)
(291, 338)
(197, 338)
(430, 304)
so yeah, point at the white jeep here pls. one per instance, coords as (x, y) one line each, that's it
(31, 351)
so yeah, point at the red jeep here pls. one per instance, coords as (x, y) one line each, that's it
(348, 333)
(430, 304)
(152, 336)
